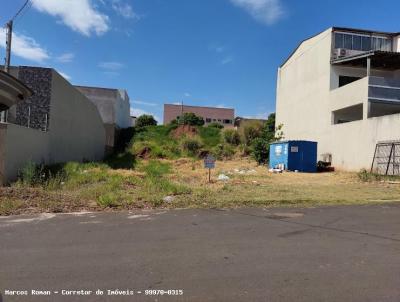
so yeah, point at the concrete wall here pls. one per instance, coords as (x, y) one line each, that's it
(76, 128)
(303, 88)
(353, 144)
(75, 133)
(22, 145)
(113, 105)
(172, 111)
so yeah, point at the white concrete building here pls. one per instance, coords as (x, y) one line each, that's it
(341, 88)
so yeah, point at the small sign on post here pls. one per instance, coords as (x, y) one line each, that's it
(209, 163)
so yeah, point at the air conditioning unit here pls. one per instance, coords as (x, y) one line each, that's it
(341, 52)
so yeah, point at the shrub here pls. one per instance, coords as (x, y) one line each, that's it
(261, 150)
(215, 125)
(232, 137)
(210, 136)
(251, 132)
(191, 119)
(145, 120)
(223, 151)
(192, 146)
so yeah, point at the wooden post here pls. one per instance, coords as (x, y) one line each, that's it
(209, 175)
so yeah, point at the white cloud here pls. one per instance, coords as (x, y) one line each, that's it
(79, 15)
(67, 77)
(111, 66)
(262, 116)
(138, 102)
(227, 60)
(25, 47)
(187, 94)
(138, 112)
(264, 11)
(66, 57)
(124, 9)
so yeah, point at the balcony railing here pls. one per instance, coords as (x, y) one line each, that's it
(384, 89)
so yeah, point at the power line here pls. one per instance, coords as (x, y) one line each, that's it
(20, 10)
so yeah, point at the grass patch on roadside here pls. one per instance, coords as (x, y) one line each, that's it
(97, 186)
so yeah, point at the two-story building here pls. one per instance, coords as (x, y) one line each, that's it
(341, 88)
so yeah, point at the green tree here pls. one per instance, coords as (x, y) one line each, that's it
(189, 118)
(145, 120)
(269, 133)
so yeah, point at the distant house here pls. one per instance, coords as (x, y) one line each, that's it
(223, 116)
(55, 124)
(133, 120)
(114, 108)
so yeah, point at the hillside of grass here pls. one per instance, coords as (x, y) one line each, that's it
(160, 142)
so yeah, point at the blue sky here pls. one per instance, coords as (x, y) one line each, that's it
(202, 52)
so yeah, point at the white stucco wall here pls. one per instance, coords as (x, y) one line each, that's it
(23, 145)
(113, 105)
(76, 128)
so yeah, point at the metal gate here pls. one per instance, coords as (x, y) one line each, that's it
(386, 158)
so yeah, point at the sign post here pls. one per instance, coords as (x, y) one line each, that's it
(209, 163)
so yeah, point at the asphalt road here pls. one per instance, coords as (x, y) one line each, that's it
(319, 254)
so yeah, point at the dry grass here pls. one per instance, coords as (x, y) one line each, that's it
(94, 188)
(258, 187)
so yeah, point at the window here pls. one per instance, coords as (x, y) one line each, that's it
(338, 40)
(344, 80)
(365, 43)
(357, 42)
(227, 121)
(208, 120)
(348, 41)
(362, 42)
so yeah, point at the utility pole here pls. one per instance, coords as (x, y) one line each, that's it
(9, 27)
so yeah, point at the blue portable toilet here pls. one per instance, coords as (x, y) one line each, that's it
(294, 155)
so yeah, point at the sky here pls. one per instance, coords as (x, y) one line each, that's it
(222, 53)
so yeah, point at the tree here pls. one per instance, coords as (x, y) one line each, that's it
(269, 133)
(189, 118)
(145, 120)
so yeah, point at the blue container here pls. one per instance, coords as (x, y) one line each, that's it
(294, 155)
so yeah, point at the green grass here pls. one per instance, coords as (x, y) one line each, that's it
(210, 136)
(158, 143)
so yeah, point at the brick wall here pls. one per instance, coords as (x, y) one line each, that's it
(35, 110)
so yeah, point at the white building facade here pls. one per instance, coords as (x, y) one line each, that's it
(341, 88)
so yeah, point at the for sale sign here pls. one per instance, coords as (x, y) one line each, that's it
(209, 162)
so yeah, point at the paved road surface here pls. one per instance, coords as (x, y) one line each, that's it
(319, 254)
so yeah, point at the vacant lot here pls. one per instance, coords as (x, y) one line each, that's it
(185, 184)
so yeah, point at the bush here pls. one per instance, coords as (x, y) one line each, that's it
(191, 119)
(251, 132)
(232, 137)
(192, 146)
(215, 125)
(223, 151)
(210, 136)
(261, 150)
(145, 120)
